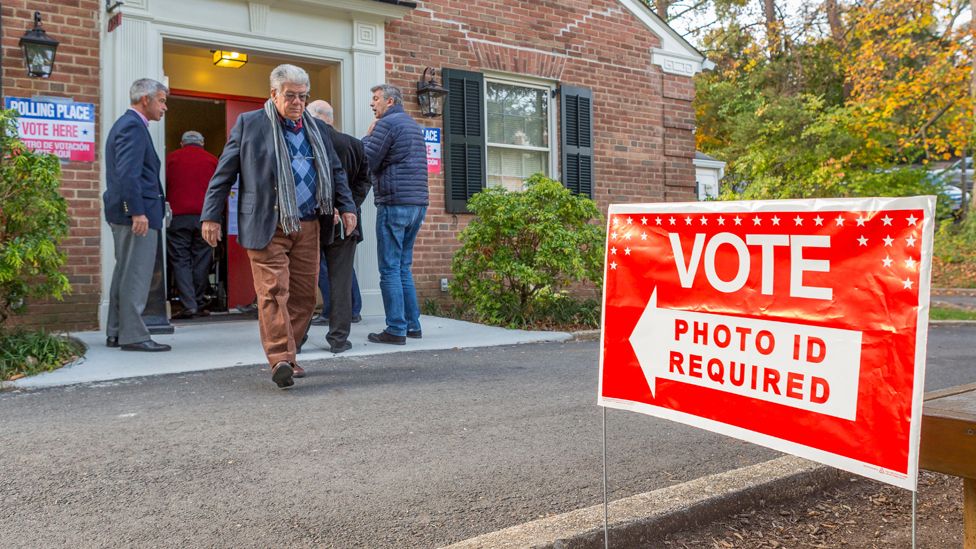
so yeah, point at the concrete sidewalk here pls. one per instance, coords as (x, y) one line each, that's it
(223, 344)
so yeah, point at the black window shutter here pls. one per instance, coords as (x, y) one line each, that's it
(576, 105)
(464, 138)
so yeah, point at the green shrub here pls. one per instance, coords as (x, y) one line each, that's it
(33, 220)
(524, 249)
(954, 255)
(24, 353)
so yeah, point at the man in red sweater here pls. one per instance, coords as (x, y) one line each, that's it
(188, 172)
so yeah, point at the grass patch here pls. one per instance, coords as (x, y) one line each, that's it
(26, 353)
(951, 313)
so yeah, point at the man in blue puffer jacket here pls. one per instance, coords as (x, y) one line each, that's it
(397, 157)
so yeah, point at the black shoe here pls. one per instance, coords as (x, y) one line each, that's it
(298, 351)
(342, 347)
(281, 375)
(386, 337)
(356, 318)
(415, 334)
(185, 314)
(112, 342)
(320, 321)
(147, 346)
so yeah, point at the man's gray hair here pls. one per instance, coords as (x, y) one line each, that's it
(289, 74)
(322, 110)
(192, 138)
(143, 87)
(390, 92)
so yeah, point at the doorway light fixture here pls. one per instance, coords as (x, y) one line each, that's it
(39, 50)
(229, 59)
(430, 95)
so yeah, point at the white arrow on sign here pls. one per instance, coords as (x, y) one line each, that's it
(808, 367)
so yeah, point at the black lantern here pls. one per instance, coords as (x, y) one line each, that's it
(39, 49)
(430, 95)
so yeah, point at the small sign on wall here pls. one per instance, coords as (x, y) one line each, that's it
(432, 137)
(66, 130)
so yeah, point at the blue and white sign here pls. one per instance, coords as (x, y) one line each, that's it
(432, 137)
(66, 129)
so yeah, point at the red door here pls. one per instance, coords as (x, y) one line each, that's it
(240, 284)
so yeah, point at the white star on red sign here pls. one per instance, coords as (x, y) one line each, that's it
(721, 221)
(912, 219)
(704, 220)
(613, 265)
(910, 241)
(657, 220)
(887, 220)
(626, 251)
(798, 220)
(775, 220)
(643, 236)
(756, 220)
(860, 220)
(887, 261)
(818, 220)
(907, 283)
(888, 240)
(643, 221)
(910, 263)
(738, 220)
(839, 220)
(687, 221)
(630, 221)
(862, 241)
(613, 251)
(671, 220)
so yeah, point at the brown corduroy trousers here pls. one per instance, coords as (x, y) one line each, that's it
(285, 276)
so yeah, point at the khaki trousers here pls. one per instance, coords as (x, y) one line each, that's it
(285, 276)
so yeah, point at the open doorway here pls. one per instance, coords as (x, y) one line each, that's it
(208, 99)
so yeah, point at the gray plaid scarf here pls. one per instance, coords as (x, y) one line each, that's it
(288, 216)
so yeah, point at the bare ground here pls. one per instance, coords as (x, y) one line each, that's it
(860, 513)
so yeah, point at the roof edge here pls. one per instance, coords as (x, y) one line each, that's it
(676, 55)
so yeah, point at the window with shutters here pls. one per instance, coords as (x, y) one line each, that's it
(519, 122)
(498, 131)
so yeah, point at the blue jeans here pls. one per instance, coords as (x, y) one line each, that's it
(396, 230)
(357, 298)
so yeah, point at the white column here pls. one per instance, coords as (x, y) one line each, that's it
(367, 71)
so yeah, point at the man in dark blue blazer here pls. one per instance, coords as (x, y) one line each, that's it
(133, 201)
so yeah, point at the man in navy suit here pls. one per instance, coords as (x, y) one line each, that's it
(133, 202)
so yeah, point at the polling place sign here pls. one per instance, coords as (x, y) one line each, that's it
(799, 325)
(64, 129)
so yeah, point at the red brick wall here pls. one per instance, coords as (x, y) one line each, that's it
(643, 118)
(75, 26)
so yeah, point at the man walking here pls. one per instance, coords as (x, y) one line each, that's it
(133, 202)
(289, 174)
(337, 278)
(188, 171)
(397, 157)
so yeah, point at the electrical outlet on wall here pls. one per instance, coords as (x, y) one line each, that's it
(443, 284)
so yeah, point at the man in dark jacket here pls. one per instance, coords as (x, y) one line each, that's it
(289, 174)
(397, 158)
(133, 202)
(337, 279)
(188, 171)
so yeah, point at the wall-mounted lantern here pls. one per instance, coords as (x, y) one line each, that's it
(39, 50)
(229, 59)
(430, 95)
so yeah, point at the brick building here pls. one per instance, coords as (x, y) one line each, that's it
(594, 93)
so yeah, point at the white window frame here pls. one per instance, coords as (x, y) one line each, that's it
(526, 82)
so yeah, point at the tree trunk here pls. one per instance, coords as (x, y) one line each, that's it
(662, 8)
(773, 28)
(833, 20)
(972, 100)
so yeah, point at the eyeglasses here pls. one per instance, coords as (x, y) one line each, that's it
(291, 97)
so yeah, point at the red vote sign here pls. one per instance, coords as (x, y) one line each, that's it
(799, 325)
